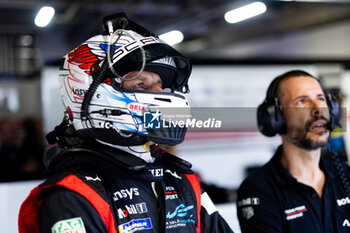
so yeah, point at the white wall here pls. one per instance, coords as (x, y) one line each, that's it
(20, 98)
(51, 101)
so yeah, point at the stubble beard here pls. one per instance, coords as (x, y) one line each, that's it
(299, 136)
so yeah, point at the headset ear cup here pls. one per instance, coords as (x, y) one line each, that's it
(265, 120)
(334, 112)
(270, 119)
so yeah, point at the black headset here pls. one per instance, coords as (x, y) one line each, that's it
(270, 116)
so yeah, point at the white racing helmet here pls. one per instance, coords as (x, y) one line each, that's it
(91, 85)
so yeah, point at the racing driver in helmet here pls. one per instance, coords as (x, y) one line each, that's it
(107, 173)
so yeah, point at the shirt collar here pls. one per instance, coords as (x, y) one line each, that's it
(283, 175)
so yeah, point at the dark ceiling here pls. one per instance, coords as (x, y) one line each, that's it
(201, 21)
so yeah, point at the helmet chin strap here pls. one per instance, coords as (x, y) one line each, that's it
(147, 146)
(141, 151)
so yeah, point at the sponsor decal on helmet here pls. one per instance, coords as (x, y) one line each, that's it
(128, 46)
(73, 225)
(107, 124)
(83, 56)
(137, 107)
(78, 91)
(135, 225)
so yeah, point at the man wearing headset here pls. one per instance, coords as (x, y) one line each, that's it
(108, 175)
(297, 190)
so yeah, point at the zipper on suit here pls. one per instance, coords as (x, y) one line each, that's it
(159, 193)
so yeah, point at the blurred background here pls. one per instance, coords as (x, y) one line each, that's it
(233, 63)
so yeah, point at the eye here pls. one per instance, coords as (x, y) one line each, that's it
(140, 86)
(322, 99)
(301, 101)
(160, 83)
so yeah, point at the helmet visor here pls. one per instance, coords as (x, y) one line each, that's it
(174, 76)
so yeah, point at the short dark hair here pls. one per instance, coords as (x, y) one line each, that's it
(287, 75)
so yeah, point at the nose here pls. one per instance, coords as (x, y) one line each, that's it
(156, 88)
(317, 109)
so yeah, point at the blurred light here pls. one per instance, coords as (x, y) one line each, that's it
(245, 12)
(26, 40)
(172, 37)
(44, 16)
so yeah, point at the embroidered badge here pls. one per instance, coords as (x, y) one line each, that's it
(73, 225)
(248, 212)
(249, 201)
(135, 225)
(295, 212)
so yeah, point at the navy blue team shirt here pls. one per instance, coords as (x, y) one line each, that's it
(272, 201)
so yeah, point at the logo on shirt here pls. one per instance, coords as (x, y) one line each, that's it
(139, 208)
(158, 172)
(126, 193)
(296, 212)
(75, 225)
(93, 179)
(180, 217)
(249, 201)
(170, 193)
(174, 174)
(346, 223)
(135, 225)
(180, 211)
(248, 212)
(343, 201)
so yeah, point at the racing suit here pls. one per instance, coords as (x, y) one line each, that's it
(273, 201)
(115, 191)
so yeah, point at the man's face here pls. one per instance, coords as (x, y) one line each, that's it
(146, 81)
(306, 112)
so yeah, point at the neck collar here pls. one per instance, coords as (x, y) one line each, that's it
(139, 151)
